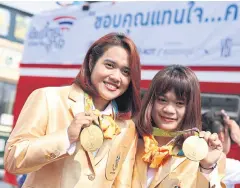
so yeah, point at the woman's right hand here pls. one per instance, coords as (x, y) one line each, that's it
(215, 149)
(80, 121)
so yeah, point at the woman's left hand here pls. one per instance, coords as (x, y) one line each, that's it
(215, 149)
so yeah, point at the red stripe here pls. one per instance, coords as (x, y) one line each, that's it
(10, 178)
(61, 17)
(27, 84)
(64, 28)
(32, 83)
(209, 87)
(143, 67)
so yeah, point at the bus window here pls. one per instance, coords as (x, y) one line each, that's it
(230, 103)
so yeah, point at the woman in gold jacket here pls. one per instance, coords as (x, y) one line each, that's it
(170, 114)
(45, 142)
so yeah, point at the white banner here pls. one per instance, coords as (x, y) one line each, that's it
(188, 33)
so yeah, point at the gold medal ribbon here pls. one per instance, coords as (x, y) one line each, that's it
(106, 122)
(155, 155)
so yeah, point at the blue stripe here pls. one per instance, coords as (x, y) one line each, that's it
(115, 107)
(66, 22)
(180, 153)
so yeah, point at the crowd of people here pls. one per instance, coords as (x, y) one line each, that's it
(83, 135)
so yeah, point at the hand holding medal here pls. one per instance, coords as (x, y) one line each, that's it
(103, 126)
(194, 147)
(80, 121)
(91, 137)
(215, 149)
(202, 147)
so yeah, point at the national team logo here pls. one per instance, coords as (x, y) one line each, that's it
(51, 36)
(65, 22)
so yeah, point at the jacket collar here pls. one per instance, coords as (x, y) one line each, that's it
(76, 96)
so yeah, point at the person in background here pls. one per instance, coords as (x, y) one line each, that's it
(219, 122)
(171, 106)
(234, 152)
(232, 126)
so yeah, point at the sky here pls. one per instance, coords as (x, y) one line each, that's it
(33, 7)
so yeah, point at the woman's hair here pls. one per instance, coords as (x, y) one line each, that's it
(185, 84)
(129, 102)
(213, 122)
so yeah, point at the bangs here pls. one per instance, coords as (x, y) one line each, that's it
(176, 82)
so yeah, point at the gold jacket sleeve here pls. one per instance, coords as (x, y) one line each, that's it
(22, 153)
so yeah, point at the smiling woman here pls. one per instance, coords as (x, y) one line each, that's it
(113, 59)
(82, 135)
(168, 111)
(114, 77)
(171, 112)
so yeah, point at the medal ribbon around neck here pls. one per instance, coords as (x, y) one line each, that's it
(155, 155)
(105, 122)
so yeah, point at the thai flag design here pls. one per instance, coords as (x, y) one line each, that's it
(65, 22)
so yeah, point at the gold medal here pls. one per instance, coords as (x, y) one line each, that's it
(195, 148)
(91, 138)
